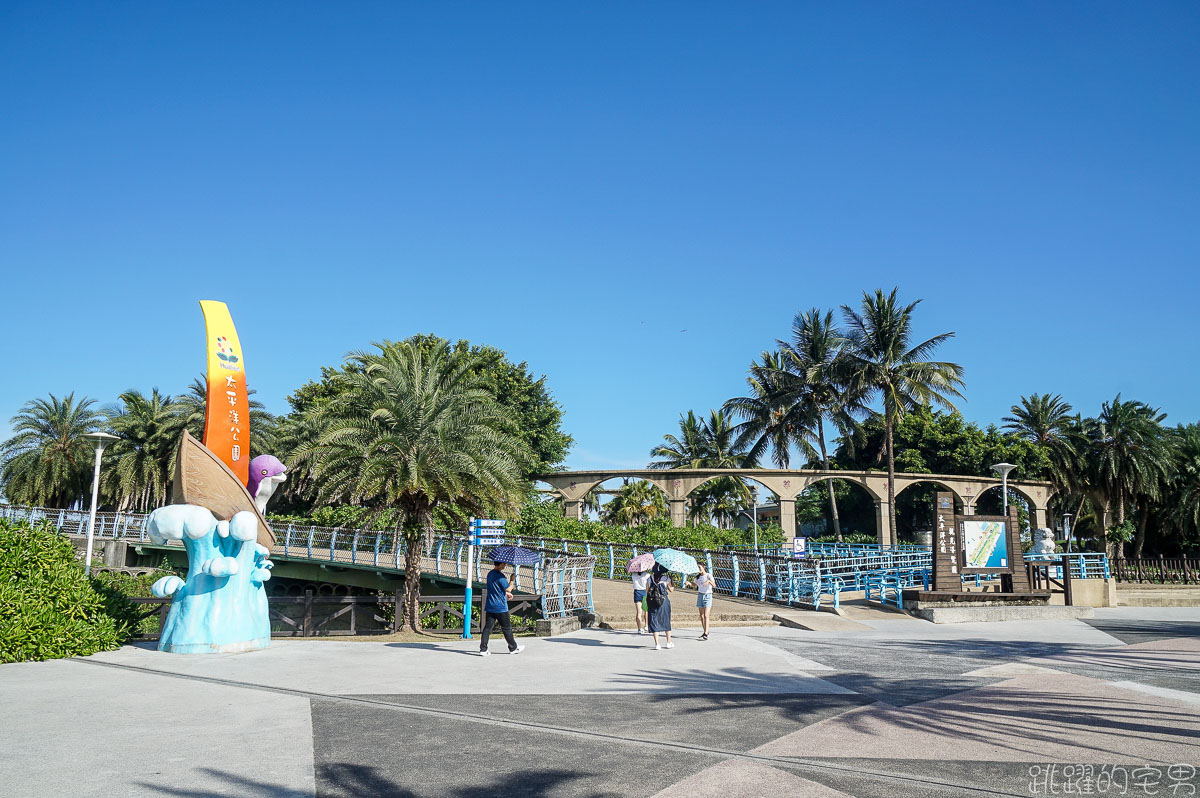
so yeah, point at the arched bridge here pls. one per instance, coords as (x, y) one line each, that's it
(679, 483)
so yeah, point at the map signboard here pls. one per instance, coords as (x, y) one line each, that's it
(984, 544)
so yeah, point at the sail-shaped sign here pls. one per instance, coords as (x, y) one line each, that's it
(227, 411)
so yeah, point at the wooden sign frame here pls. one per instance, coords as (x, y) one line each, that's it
(949, 558)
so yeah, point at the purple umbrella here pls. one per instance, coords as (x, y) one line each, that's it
(642, 562)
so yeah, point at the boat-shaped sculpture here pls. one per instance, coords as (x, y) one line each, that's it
(201, 478)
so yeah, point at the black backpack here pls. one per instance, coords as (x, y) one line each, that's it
(655, 594)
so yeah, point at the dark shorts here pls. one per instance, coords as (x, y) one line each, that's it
(638, 595)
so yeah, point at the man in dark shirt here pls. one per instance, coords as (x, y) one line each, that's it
(496, 607)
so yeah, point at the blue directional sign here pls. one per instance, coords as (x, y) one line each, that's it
(478, 523)
(488, 541)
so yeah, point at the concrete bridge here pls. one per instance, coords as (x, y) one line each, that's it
(679, 483)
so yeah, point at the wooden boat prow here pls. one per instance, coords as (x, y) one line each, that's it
(201, 478)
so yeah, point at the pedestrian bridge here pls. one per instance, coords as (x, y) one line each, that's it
(787, 484)
(374, 559)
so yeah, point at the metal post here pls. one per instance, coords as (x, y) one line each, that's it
(466, 635)
(99, 438)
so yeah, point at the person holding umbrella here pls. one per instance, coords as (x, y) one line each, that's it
(658, 599)
(639, 571)
(499, 591)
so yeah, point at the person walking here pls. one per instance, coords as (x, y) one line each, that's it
(640, 580)
(496, 606)
(658, 599)
(704, 598)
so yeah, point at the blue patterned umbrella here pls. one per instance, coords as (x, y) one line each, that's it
(675, 560)
(514, 555)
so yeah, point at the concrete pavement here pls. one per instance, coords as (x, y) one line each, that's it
(898, 708)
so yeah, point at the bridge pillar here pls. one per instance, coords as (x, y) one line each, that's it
(573, 509)
(678, 512)
(883, 523)
(1041, 518)
(787, 518)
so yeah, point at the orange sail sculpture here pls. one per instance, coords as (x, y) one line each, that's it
(227, 414)
(214, 474)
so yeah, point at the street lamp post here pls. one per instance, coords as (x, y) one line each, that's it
(1066, 517)
(754, 498)
(100, 438)
(1003, 470)
(968, 509)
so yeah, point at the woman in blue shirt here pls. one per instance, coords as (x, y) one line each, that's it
(496, 609)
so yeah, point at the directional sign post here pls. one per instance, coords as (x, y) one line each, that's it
(480, 532)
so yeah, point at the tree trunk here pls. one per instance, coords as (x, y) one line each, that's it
(1141, 533)
(833, 511)
(891, 457)
(412, 533)
(1120, 520)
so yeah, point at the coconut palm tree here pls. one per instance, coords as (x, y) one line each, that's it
(415, 428)
(820, 384)
(637, 503)
(768, 422)
(47, 462)
(882, 360)
(138, 469)
(687, 450)
(710, 443)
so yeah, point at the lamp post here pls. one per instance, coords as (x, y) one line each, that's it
(754, 498)
(968, 508)
(1003, 470)
(100, 438)
(1066, 517)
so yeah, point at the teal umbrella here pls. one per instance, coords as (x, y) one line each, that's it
(675, 560)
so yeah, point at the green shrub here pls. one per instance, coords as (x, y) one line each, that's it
(116, 588)
(850, 537)
(48, 606)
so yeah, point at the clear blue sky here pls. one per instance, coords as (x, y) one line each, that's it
(634, 198)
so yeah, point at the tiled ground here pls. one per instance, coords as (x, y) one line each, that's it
(904, 708)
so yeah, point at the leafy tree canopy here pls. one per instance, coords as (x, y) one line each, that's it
(536, 413)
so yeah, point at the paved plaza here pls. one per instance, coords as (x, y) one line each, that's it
(899, 708)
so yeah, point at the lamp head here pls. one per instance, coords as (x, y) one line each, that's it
(100, 438)
(1003, 468)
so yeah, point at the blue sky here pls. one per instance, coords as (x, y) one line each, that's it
(634, 198)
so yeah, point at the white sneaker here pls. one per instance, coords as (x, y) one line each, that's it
(643, 632)
(517, 650)
(485, 653)
(670, 645)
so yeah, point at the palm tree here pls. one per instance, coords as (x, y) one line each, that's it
(47, 462)
(138, 471)
(1185, 494)
(820, 383)
(1128, 457)
(711, 443)
(1047, 422)
(688, 450)
(636, 503)
(415, 428)
(882, 360)
(768, 423)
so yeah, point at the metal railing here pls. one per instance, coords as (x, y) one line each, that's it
(562, 578)
(1158, 570)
